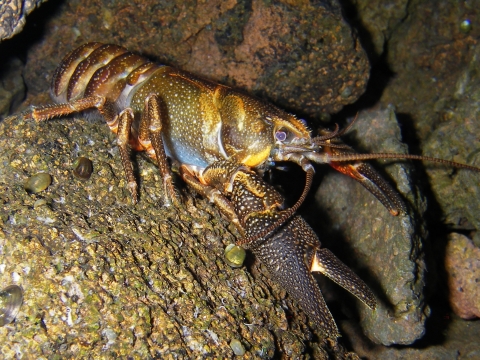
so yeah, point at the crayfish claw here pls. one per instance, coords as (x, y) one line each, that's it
(369, 178)
(325, 262)
(284, 257)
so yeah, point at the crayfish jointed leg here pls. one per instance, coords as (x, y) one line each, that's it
(148, 139)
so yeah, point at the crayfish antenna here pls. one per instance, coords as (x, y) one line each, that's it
(350, 163)
(337, 133)
(374, 156)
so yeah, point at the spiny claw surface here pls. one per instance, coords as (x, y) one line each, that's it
(284, 255)
(293, 251)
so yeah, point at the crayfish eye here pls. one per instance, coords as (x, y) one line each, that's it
(280, 135)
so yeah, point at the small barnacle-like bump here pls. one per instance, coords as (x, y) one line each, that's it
(466, 26)
(38, 182)
(11, 299)
(237, 347)
(39, 202)
(235, 255)
(82, 168)
(346, 93)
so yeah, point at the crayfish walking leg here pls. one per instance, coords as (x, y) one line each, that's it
(149, 136)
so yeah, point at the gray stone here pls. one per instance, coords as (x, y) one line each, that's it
(386, 251)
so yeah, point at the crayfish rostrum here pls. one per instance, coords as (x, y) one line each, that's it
(220, 139)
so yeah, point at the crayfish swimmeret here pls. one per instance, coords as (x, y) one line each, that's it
(221, 139)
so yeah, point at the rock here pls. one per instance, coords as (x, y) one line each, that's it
(457, 138)
(103, 276)
(380, 18)
(429, 52)
(462, 264)
(385, 251)
(268, 49)
(458, 339)
(13, 15)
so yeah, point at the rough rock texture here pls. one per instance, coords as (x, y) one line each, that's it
(462, 263)
(270, 49)
(13, 16)
(105, 278)
(434, 89)
(429, 54)
(386, 250)
(459, 128)
(459, 340)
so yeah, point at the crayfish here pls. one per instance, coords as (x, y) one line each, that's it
(220, 139)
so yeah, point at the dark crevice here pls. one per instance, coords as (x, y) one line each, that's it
(380, 71)
(33, 32)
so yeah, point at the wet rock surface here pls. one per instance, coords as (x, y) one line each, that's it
(379, 19)
(386, 251)
(462, 263)
(430, 47)
(457, 136)
(12, 88)
(268, 49)
(458, 340)
(95, 260)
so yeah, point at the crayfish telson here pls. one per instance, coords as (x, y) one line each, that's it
(198, 124)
